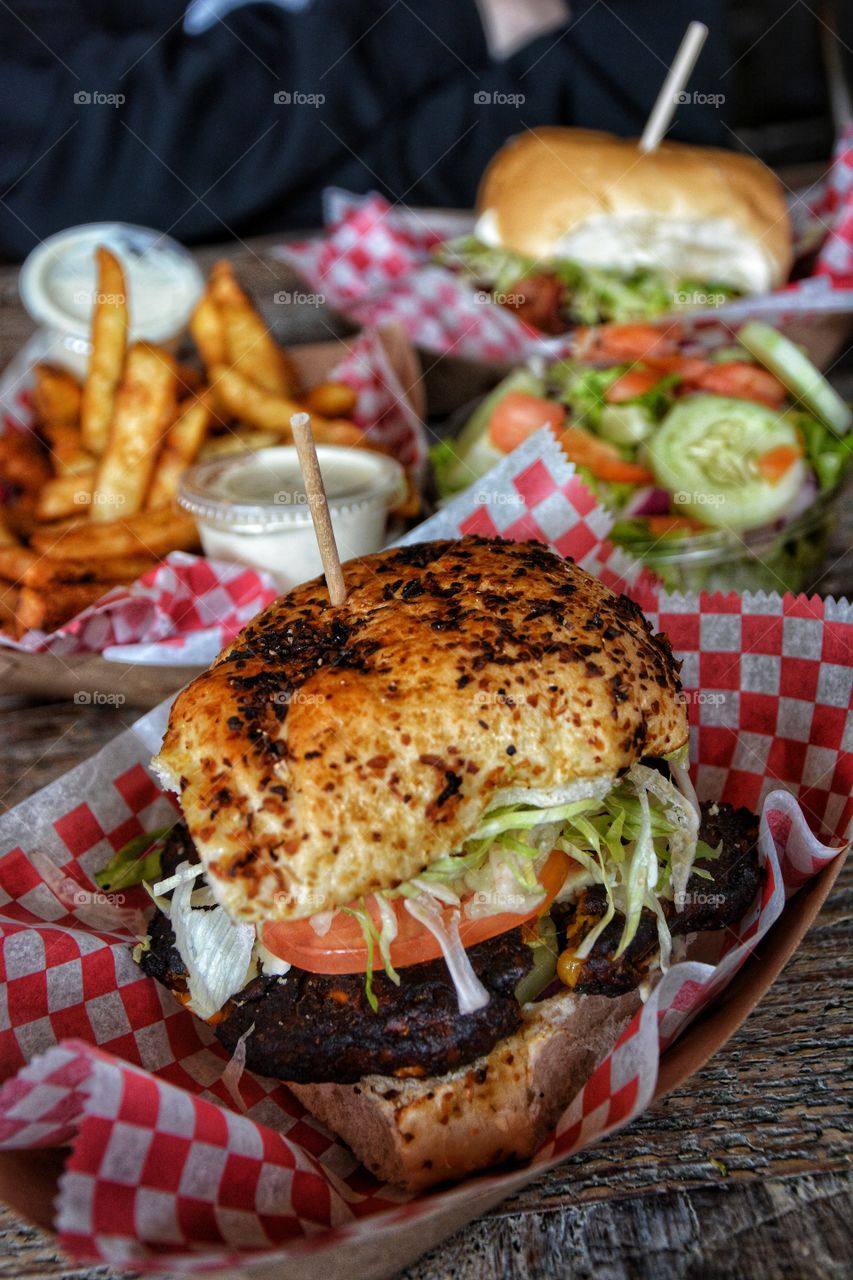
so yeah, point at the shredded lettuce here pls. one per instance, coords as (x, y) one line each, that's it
(375, 938)
(591, 294)
(216, 951)
(639, 840)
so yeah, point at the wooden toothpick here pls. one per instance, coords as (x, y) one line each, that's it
(303, 438)
(673, 86)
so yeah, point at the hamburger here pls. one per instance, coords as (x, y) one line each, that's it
(576, 226)
(436, 844)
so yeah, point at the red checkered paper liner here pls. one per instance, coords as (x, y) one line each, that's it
(178, 1161)
(374, 265)
(186, 609)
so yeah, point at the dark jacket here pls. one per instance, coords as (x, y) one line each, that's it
(113, 110)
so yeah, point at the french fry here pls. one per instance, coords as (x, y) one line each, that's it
(109, 340)
(207, 332)
(8, 607)
(20, 516)
(148, 533)
(190, 379)
(410, 504)
(144, 408)
(23, 463)
(270, 412)
(44, 572)
(180, 449)
(238, 441)
(56, 396)
(67, 454)
(64, 495)
(7, 537)
(249, 345)
(331, 400)
(15, 562)
(46, 611)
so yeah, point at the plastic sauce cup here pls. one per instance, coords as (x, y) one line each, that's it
(252, 507)
(58, 286)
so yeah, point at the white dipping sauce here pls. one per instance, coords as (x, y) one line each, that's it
(252, 507)
(58, 283)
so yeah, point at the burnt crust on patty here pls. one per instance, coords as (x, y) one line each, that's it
(313, 1028)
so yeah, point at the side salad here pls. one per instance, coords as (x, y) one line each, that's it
(681, 447)
(558, 295)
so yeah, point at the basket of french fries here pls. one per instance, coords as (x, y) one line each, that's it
(90, 470)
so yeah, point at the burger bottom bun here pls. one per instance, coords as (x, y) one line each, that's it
(414, 1133)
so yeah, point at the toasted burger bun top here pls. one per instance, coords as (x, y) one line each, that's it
(331, 752)
(696, 212)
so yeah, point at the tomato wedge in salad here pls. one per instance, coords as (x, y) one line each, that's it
(742, 380)
(343, 950)
(518, 415)
(602, 459)
(632, 383)
(618, 342)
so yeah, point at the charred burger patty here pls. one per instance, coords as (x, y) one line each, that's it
(309, 1027)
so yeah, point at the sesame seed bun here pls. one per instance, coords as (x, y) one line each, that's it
(329, 753)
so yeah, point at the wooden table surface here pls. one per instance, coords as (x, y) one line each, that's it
(745, 1171)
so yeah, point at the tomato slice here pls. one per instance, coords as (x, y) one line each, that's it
(518, 415)
(632, 383)
(342, 949)
(660, 526)
(601, 458)
(776, 462)
(619, 342)
(743, 381)
(689, 368)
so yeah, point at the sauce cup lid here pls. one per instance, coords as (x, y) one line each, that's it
(262, 490)
(58, 280)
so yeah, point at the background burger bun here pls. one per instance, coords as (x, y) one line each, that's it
(328, 752)
(698, 212)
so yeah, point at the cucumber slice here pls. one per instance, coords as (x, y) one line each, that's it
(475, 453)
(706, 453)
(625, 423)
(796, 373)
